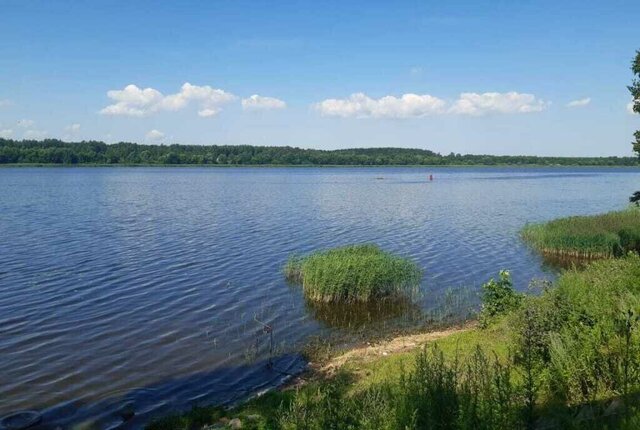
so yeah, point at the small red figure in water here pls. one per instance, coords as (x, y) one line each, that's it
(431, 177)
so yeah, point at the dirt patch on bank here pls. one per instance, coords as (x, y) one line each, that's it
(327, 368)
(394, 346)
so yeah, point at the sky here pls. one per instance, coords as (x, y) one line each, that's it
(484, 77)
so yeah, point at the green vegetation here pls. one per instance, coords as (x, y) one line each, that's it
(53, 151)
(566, 358)
(498, 298)
(356, 273)
(608, 235)
(634, 89)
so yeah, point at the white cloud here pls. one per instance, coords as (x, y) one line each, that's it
(73, 128)
(208, 112)
(5, 103)
(154, 135)
(630, 108)
(6, 133)
(34, 134)
(360, 105)
(133, 101)
(579, 102)
(256, 102)
(25, 123)
(138, 102)
(511, 102)
(416, 71)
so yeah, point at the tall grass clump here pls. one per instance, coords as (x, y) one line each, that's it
(355, 273)
(597, 236)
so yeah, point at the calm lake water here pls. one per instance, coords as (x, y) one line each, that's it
(145, 289)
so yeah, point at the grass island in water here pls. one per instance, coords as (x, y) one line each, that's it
(595, 236)
(355, 273)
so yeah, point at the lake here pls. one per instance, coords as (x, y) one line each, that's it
(143, 290)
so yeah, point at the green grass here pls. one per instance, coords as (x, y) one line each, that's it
(607, 235)
(356, 273)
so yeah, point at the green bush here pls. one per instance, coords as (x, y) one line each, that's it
(498, 298)
(630, 238)
(353, 273)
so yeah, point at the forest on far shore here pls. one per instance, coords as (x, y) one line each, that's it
(54, 151)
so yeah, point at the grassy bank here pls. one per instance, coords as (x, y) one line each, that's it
(356, 273)
(568, 357)
(597, 236)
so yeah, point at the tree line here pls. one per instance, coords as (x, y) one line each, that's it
(54, 151)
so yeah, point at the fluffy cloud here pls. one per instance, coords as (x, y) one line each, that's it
(6, 133)
(138, 102)
(511, 102)
(4, 103)
(133, 101)
(360, 105)
(579, 102)
(154, 135)
(256, 102)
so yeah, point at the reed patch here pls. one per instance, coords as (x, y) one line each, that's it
(587, 237)
(354, 273)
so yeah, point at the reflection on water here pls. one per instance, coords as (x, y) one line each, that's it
(563, 262)
(135, 280)
(358, 314)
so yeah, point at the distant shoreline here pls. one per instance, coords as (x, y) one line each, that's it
(307, 166)
(95, 153)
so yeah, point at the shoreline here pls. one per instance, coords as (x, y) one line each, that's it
(307, 166)
(367, 361)
(403, 343)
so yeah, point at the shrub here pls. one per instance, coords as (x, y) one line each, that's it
(353, 273)
(498, 298)
(630, 238)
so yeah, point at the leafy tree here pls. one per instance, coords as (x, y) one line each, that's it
(634, 89)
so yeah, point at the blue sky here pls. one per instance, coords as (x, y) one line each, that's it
(452, 76)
